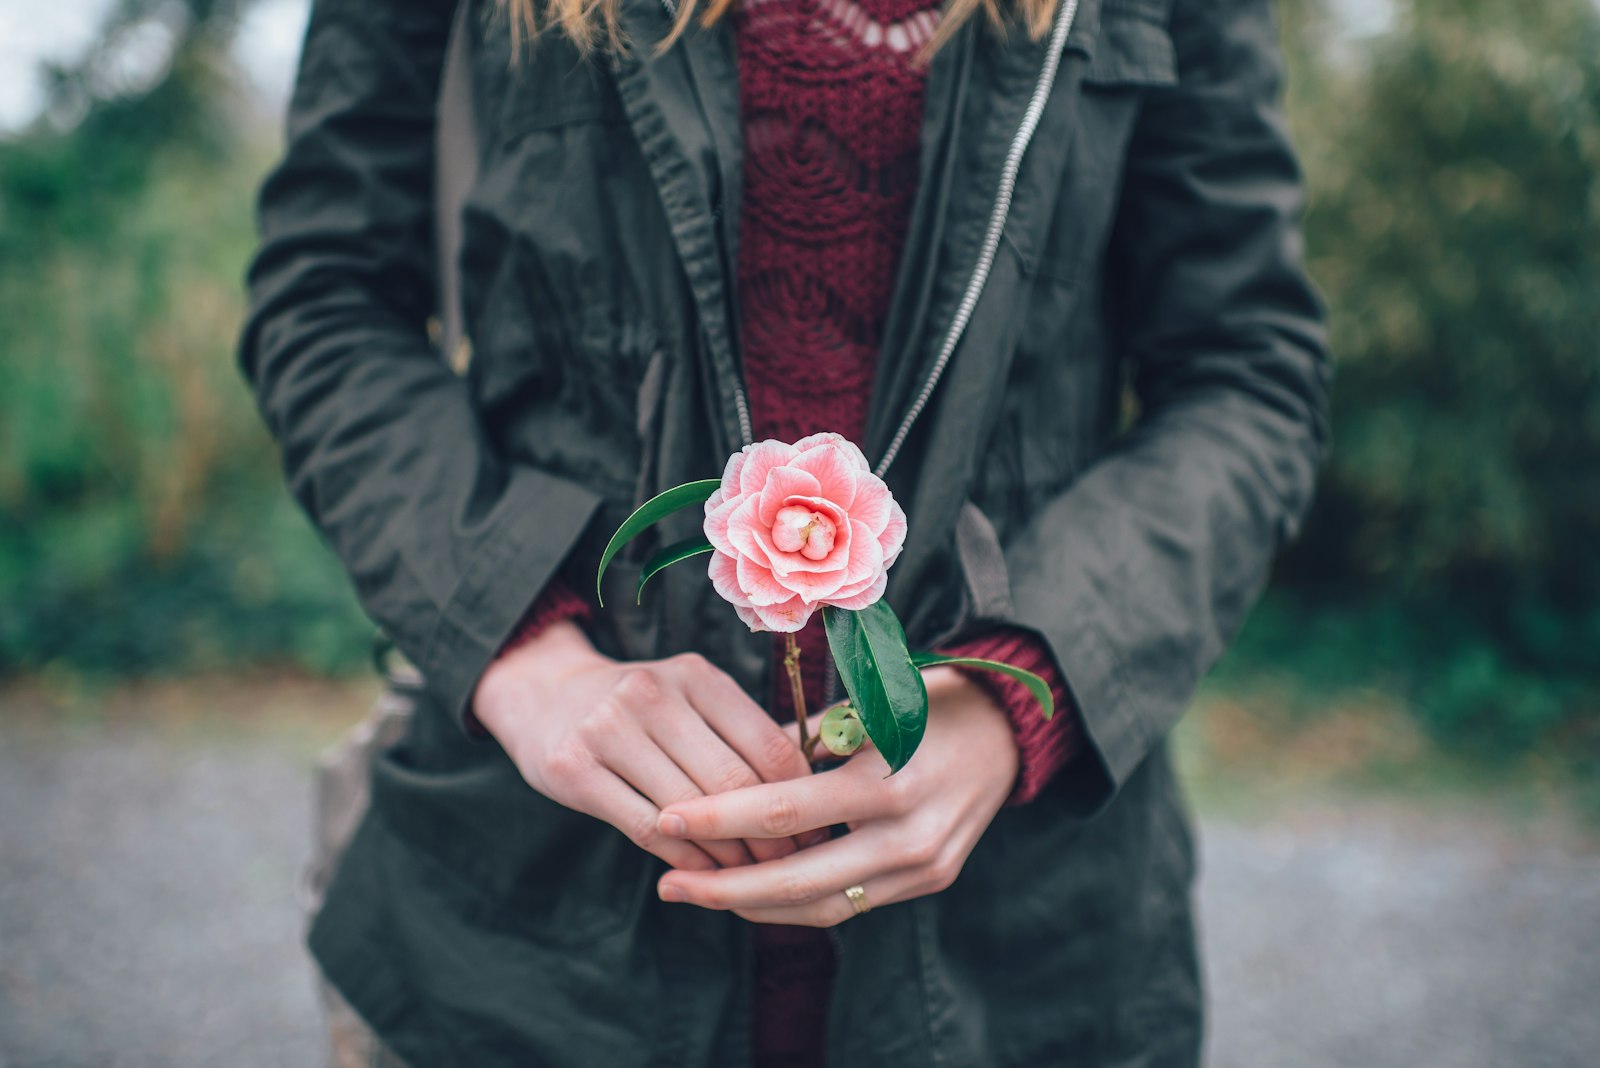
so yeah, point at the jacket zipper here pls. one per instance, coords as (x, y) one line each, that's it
(986, 252)
(997, 222)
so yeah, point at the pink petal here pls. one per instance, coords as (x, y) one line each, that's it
(835, 473)
(866, 597)
(812, 587)
(730, 477)
(851, 589)
(785, 618)
(873, 503)
(759, 585)
(852, 452)
(716, 525)
(866, 555)
(785, 482)
(760, 459)
(893, 538)
(747, 536)
(748, 617)
(787, 563)
(724, 574)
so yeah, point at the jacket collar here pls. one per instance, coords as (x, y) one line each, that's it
(683, 106)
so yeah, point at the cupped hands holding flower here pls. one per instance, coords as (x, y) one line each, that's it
(910, 833)
(675, 755)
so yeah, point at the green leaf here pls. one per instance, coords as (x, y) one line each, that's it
(678, 550)
(869, 646)
(1036, 685)
(655, 509)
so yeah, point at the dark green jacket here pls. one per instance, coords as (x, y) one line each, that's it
(1108, 213)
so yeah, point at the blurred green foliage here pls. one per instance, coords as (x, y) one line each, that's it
(1454, 168)
(1453, 556)
(143, 525)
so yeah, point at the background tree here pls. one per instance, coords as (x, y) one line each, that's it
(142, 520)
(1454, 166)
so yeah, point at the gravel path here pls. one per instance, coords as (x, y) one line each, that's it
(139, 928)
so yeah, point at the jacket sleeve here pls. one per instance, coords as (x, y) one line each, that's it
(445, 540)
(1142, 569)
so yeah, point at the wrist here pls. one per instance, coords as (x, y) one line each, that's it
(512, 681)
(953, 693)
(559, 649)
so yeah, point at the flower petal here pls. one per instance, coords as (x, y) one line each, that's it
(716, 525)
(724, 573)
(785, 482)
(873, 503)
(835, 472)
(866, 555)
(893, 537)
(759, 459)
(812, 587)
(787, 563)
(758, 584)
(785, 618)
(746, 534)
(866, 597)
(852, 451)
(730, 476)
(748, 617)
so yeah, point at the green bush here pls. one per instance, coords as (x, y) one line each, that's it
(143, 524)
(1454, 167)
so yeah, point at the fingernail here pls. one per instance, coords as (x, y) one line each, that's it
(669, 892)
(672, 825)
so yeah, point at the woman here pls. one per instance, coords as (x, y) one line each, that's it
(771, 222)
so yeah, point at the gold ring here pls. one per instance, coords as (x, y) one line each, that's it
(858, 900)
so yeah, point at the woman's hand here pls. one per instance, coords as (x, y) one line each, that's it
(910, 833)
(619, 741)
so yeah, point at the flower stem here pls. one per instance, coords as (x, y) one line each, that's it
(791, 663)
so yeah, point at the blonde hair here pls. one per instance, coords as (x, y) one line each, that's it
(585, 22)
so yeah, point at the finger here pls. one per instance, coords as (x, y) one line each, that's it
(834, 909)
(606, 797)
(796, 881)
(777, 810)
(713, 767)
(640, 762)
(744, 725)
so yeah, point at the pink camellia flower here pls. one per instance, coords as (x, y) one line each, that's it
(798, 526)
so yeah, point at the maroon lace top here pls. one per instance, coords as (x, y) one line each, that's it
(831, 109)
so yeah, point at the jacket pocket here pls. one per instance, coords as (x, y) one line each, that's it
(986, 587)
(1133, 50)
(553, 89)
(508, 858)
(1130, 56)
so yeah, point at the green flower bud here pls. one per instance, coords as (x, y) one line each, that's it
(841, 730)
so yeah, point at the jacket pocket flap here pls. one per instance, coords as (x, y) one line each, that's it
(983, 564)
(1132, 50)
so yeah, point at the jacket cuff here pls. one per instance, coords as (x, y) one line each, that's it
(557, 601)
(544, 518)
(1044, 746)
